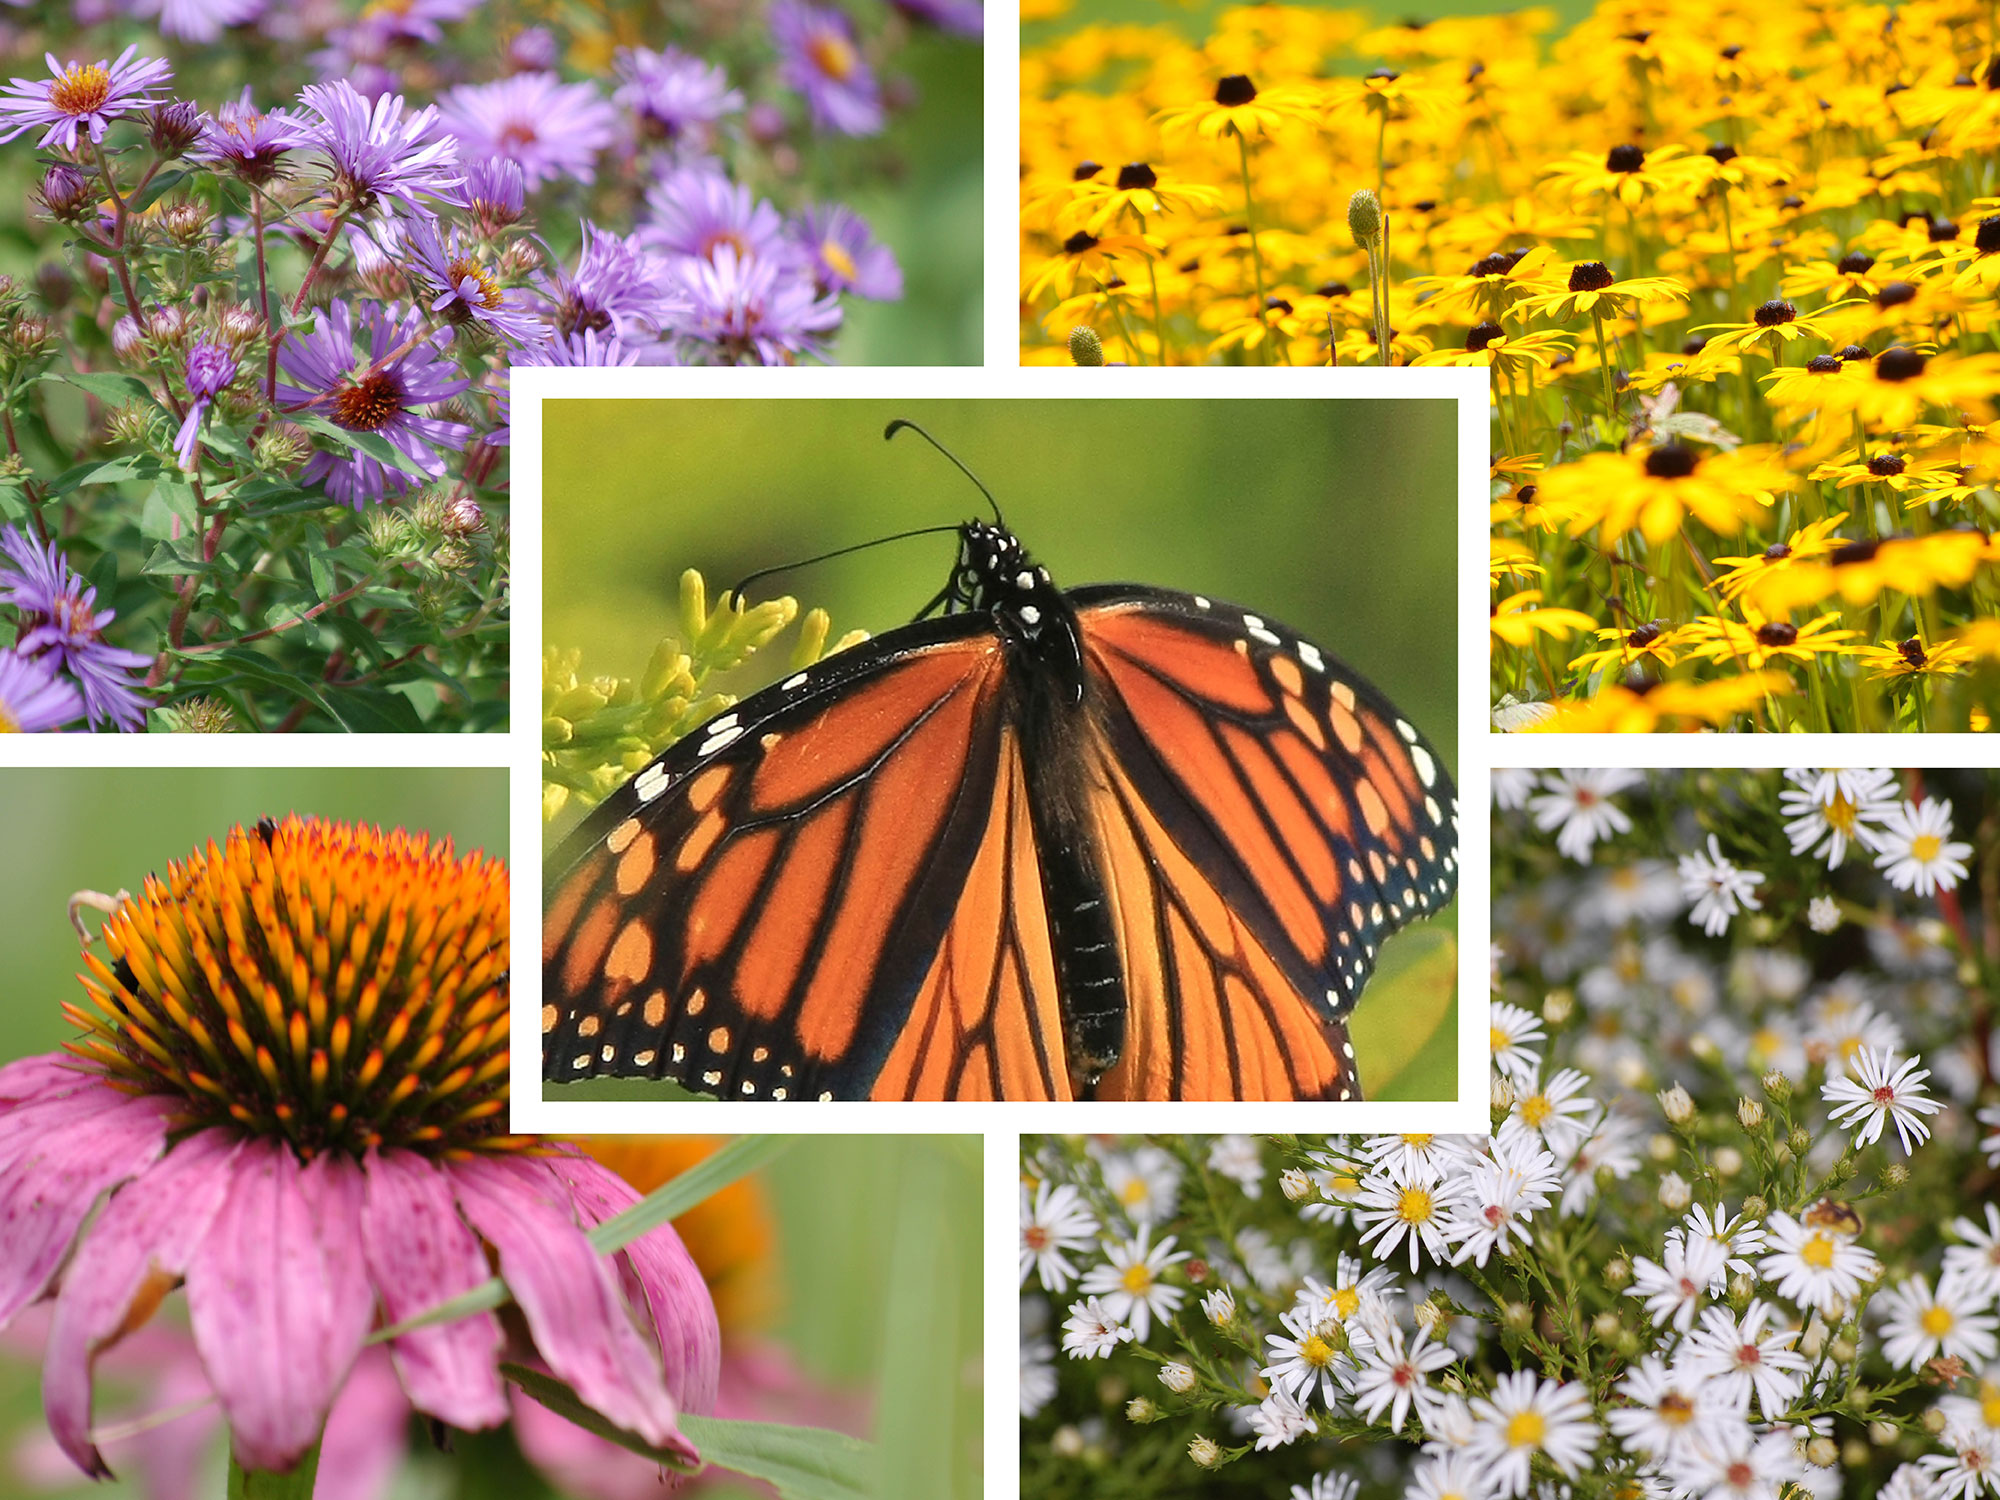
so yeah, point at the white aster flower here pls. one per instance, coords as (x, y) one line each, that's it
(1917, 853)
(1411, 1158)
(1840, 1025)
(1513, 1029)
(1147, 1183)
(1743, 1361)
(1279, 1419)
(1882, 1091)
(1330, 1486)
(1990, 1144)
(1909, 1482)
(1919, 1325)
(1972, 1465)
(1829, 813)
(1219, 1307)
(1500, 1192)
(1823, 914)
(1511, 786)
(1671, 1415)
(1612, 1146)
(1524, 1416)
(1743, 1466)
(1578, 805)
(1091, 1332)
(1396, 1377)
(1558, 1112)
(1977, 1257)
(1673, 1287)
(1238, 1157)
(1814, 1265)
(1447, 1474)
(1355, 1294)
(1130, 1283)
(1739, 1237)
(1644, 890)
(1717, 888)
(1980, 1409)
(1315, 1355)
(1054, 1220)
(1391, 1211)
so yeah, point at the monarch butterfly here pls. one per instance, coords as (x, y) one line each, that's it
(1115, 842)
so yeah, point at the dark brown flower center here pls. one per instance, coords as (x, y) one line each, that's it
(1079, 242)
(1625, 159)
(1855, 262)
(1084, 170)
(1777, 552)
(1774, 312)
(1854, 552)
(1895, 294)
(1671, 461)
(1898, 363)
(1483, 335)
(1913, 652)
(1882, 465)
(1235, 90)
(1136, 174)
(1943, 231)
(1645, 635)
(1777, 633)
(1498, 263)
(1987, 239)
(1590, 276)
(370, 403)
(1721, 152)
(1851, 352)
(1823, 364)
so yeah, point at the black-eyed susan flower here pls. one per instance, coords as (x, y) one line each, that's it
(289, 1093)
(1136, 191)
(1852, 278)
(1905, 381)
(1911, 657)
(1886, 467)
(1771, 328)
(1671, 705)
(1510, 559)
(1511, 355)
(1518, 619)
(1238, 107)
(1088, 255)
(1621, 649)
(1491, 285)
(1859, 571)
(1813, 540)
(1754, 642)
(1386, 94)
(1656, 489)
(1629, 173)
(1589, 287)
(1804, 388)
(1978, 273)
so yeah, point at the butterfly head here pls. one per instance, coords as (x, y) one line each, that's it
(996, 575)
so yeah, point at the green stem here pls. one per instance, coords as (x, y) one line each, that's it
(1256, 251)
(1382, 204)
(1604, 366)
(255, 1484)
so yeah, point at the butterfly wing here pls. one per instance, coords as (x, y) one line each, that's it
(828, 892)
(1265, 818)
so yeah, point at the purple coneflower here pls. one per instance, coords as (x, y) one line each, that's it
(553, 129)
(845, 256)
(743, 308)
(278, 1146)
(467, 291)
(818, 57)
(376, 151)
(242, 139)
(377, 391)
(671, 93)
(61, 624)
(698, 211)
(210, 368)
(32, 698)
(81, 96)
(198, 20)
(617, 287)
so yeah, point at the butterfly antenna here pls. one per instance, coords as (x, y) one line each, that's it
(805, 562)
(900, 423)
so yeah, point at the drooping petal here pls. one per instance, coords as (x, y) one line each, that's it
(45, 1075)
(137, 1248)
(276, 1316)
(366, 1428)
(57, 1155)
(420, 1254)
(682, 1306)
(569, 1295)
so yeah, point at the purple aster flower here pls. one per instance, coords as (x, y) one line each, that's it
(242, 139)
(617, 287)
(32, 698)
(577, 350)
(672, 93)
(198, 20)
(818, 57)
(210, 368)
(965, 17)
(376, 151)
(697, 211)
(743, 308)
(81, 96)
(553, 129)
(466, 290)
(381, 28)
(61, 625)
(845, 256)
(495, 192)
(533, 49)
(376, 390)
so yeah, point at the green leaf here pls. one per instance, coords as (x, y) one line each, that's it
(155, 190)
(258, 1485)
(106, 385)
(801, 1463)
(321, 572)
(742, 1156)
(178, 497)
(920, 1353)
(142, 466)
(373, 711)
(169, 560)
(564, 1402)
(373, 444)
(248, 664)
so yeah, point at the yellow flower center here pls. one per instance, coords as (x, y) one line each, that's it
(1345, 1301)
(1418, 1142)
(1675, 1409)
(1989, 1406)
(8, 723)
(1138, 1279)
(80, 90)
(842, 263)
(1817, 1252)
(1526, 1430)
(1413, 1206)
(1938, 1321)
(1134, 1192)
(1924, 847)
(1316, 1352)
(1536, 1110)
(1840, 813)
(486, 290)
(1345, 1185)
(1500, 1040)
(832, 55)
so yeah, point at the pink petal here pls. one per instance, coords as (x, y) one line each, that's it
(683, 1308)
(420, 1254)
(366, 1433)
(569, 1294)
(57, 1156)
(147, 1234)
(44, 1074)
(280, 1304)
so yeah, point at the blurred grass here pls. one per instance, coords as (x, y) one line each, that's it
(1195, 19)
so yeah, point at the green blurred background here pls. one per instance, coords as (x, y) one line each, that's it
(1336, 518)
(1195, 19)
(878, 1253)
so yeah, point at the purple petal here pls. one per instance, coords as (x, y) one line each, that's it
(279, 1305)
(569, 1295)
(683, 1309)
(57, 1156)
(138, 1247)
(366, 1431)
(420, 1254)
(44, 1075)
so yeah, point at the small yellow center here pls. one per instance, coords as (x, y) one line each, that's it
(1500, 1040)
(1675, 1409)
(832, 55)
(842, 263)
(1938, 1321)
(8, 723)
(1133, 1192)
(1817, 1252)
(1138, 1279)
(1418, 1142)
(1345, 1185)
(81, 89)
(1924, 847)
(1346, 1301)
(487, 290)
(1526, 1430)
(1536, 1110)
(1316, 1352)
(1414, 1206)
(1989, 1405)
(1839, 814)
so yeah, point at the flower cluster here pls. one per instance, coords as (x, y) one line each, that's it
(261, 305)
(1719, 1246)
(1742, 369)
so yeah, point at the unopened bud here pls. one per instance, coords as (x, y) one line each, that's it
(1728, 1161)
(1205, 1453)
(1823, 1452)
(201, 716)
(1517, 1317)
(1558, 1007)
(65, 193)
(1141, 1409)
(1297, 1186)
(1085, 347)
(173, 127)
(1606, 1325)
(285, 445)
(1677, 1105)
(185, 223)
(1617, 1273)
(1177, 1377)
(1749, 1113)
(1882, 1435)
(1842, 1353)
(1777, 1086)
(1674, 1193)
(1895, 1175)
(1067, 1441)
(1364, 217)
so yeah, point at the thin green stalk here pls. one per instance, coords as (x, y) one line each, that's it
(1381, 188)
(1604, 365)
(1256, 252)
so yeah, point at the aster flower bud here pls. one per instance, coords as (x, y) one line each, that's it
(1777, 1087)
(1662, 1148)
(1177, 1377)
(1296, 1185)
(1606, 1325)
(1517, 1317)
(1677, 1105)
(1430, 1318)
(173, 127)
(1823, 1451)
(1085, 347)
(133, 425)
(463, 517)
(1501, 1094)
(283, 446)
(1801, 1139)
(1220, 1307)
(1559, 1006)
(1675, 1194)
(1895, 1175)
(1728, 1161)
(1741, 1285)
(185, 223)
(65, 193)
(1364, 217)
(1205, 1453)
(1067, 1441)
(1141, 1409)
(201, 716)
(28, 335)
(1617, 1273)
(1882, 1435)
(1754, 1207)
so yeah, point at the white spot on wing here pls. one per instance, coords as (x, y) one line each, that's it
(1426, 767)
(649, 783)
(717, 738)
(1309, 654)
(796, 680)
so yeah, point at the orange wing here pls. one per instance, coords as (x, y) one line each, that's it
(830, 892)
(1264, 819)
